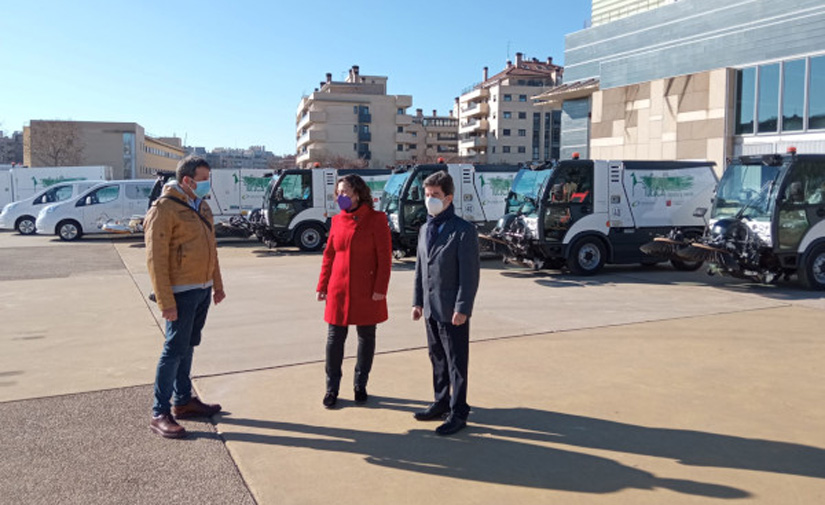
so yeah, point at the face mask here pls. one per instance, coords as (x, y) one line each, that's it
(434, 205)
(344, 202)
(202, 189)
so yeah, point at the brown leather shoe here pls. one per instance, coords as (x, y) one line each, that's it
(165, 426)
(195, 408)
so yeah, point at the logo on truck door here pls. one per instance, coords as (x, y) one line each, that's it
(661, 185)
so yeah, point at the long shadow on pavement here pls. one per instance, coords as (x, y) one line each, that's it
(508, 446)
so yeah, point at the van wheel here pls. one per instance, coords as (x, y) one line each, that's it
(69, 230)
(587, 256)
(25, 225)
(812, 273)
(309, 237)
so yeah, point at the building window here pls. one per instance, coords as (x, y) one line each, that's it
(768, 106)
(412, 147)
(354, 129)
(522, 98)
(508, 98)
(354, 147)
(506, 114)
(522, 133)
(505, 149)
(494, 149)
(522, 149)
(522, 115)
(816, 101)
(793, 95)
(400, 129)
(400, 111)
(399, 147)
(505, 132)
(536, 133)
(745, 100)
(414, 134)
(355, 109)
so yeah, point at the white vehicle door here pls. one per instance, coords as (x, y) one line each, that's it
(137, 199)
(102, 205)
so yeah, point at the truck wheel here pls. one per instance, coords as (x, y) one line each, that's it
(812, 273)
(309, 237)
(25, 225)
(586, 257)
(69, 230)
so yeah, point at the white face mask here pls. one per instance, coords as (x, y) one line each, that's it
(434, 205)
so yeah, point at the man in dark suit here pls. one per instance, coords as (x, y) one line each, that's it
(446, 282)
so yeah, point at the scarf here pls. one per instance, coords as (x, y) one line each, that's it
(435, 222)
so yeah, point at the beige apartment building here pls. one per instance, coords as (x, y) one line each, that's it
(499, 121)
(354, 120)
(123, 146)
(428, 138)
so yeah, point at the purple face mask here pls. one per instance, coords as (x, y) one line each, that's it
(344, 202)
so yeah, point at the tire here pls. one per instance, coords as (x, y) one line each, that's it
(69, 230)
(812, 273)
(587, 256)
(686, 266)
(25, 225)
(310, 237)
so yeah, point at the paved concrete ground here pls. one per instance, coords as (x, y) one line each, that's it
(642, 385)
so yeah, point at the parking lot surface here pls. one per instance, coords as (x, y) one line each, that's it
(641, 385)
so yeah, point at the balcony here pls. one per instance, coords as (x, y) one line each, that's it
(476, 94)
(473, 144)
(475, 109)
(311, 136)
(310, 154)
(364, 117)
(364, 136)
(405, 138)
(403, 119)
(403, 101)
(474, 125)
(313, 116)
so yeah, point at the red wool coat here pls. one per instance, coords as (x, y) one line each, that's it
(357, 263)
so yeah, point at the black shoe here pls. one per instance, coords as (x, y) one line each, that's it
(434, 411)
(453, 424)
(330, 399)
(361, 395)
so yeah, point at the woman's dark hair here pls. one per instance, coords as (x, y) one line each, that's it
(359, 187)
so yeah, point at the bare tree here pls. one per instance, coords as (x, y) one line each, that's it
(338, 161)
(281, 162)
(55, 143)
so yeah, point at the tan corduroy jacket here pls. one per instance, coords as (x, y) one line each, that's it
(180, 248)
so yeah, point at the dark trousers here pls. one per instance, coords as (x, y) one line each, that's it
(449, 347)
(336, 337)
(182, 335)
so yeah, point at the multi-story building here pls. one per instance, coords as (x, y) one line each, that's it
(696, 79)
(605, 11)
(123, 146)
(11, 148)
(499, 121)
(254, 157)
(352, 120)
(428, 138)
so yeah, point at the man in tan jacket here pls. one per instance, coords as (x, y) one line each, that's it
(182, 257)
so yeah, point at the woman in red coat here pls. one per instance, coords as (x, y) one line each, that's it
(355, 275)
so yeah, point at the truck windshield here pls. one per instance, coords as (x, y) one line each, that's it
(760, 206)
(392, 192)
(525, 190)
(741, 183)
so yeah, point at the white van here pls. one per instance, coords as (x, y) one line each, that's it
(113, 201)
(21, 215)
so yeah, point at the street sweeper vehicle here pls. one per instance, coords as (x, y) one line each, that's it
(299, 204)
(581, 214)
(767, 221)
(480, 193)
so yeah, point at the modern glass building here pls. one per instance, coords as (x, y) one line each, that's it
(695, 79)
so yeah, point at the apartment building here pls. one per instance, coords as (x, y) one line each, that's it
(499, 121)
(696, 79)
(354, 120)
(428, 138)
(123, 146)
(11, 148)
(605, 11)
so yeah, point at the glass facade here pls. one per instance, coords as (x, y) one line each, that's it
(771, 98)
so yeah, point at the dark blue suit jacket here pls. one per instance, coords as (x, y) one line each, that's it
(446, 279)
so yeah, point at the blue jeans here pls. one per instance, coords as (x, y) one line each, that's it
(182, 335)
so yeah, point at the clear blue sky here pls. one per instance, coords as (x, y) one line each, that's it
(231, 74)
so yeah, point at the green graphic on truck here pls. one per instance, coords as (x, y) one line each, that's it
(46, 182)
(661, 185)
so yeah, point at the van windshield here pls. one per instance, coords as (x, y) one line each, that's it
(740, 184)
(523, 196)
(392, 192)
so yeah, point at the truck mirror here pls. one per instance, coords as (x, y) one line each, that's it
(279, 194)
(700, 212)
(415, 193)
(89, 200)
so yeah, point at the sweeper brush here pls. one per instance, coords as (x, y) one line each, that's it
(663, 247)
